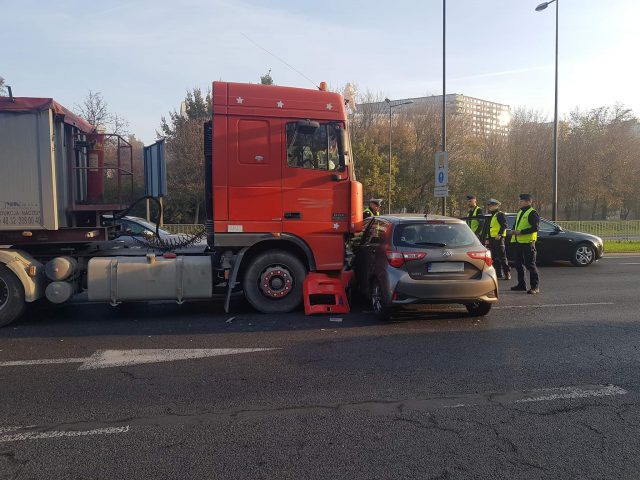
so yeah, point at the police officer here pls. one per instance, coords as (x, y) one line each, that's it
(373, 210)
(523, 238)
(497, 233)
(474, 211)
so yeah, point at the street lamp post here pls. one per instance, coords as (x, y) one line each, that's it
(554, 212)
(390, 108)
(444, 89)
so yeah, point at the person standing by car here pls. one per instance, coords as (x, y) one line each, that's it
(474, 211)
(497, 233)
(373, 210)
(524, 236)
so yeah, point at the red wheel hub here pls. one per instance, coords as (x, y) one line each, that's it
(276, 282)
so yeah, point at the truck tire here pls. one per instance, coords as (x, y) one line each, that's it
(272, 282)
(12, 302)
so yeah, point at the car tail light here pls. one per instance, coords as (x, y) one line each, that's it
(397, 259)
(482, 255)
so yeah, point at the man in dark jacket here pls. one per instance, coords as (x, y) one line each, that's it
(523, 238)
(497, 233)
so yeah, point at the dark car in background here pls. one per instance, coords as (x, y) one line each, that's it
(557, 244)
(409, 260)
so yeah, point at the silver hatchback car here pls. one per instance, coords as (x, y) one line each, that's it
(403, 260)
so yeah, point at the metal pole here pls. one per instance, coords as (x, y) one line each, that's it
(389, 189)
(444, 90)
(554, 213)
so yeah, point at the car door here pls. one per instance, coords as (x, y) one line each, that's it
(365, 253)
(511, 220)
(552, 243)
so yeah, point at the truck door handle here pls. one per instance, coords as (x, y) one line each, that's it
(292, 215)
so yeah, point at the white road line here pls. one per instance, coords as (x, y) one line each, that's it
(609, 257)
(574, 392)
(629, 263)
(18, 437)
(45, 361)
(555, 305)
(120, 358)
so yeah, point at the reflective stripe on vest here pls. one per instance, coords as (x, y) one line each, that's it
(495, 227)
(522, 223)
(371, 212)
(474, 224)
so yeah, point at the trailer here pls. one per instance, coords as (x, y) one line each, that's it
(281, 202)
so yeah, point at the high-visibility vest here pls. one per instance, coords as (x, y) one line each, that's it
(474, 224)
(522, 223)
(370, 213)
(494, 226)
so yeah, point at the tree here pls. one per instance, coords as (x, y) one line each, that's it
(185, 157)
(266, 78)
(3, 86)
(95, 110)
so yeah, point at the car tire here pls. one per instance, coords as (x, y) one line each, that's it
(12, 302)
(583, 255)
(269, 267)
(479, 309)
(376, 300)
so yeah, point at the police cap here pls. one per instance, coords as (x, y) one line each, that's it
(526, 196)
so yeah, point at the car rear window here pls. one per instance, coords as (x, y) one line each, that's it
(417, 235)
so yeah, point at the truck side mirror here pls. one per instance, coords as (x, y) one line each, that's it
(307, 127)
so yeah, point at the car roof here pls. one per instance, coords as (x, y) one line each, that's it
(415, 217)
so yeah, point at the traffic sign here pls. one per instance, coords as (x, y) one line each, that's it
(440, 192)
(442, 169)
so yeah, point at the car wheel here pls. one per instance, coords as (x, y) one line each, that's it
(380, 310)
(583, 255)
(272, 282)
(478, 309)
(11, 297)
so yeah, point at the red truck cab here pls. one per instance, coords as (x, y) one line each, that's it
(282, 179)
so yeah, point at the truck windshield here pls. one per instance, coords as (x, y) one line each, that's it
(316, 151)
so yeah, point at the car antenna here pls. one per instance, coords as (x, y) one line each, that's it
(283, 61)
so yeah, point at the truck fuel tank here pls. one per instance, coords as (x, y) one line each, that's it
(118, 279)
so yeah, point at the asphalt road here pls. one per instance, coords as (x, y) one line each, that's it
(544, 387)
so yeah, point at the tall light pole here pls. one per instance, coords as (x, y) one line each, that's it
(392, 106)
(444, 90)
(554, 212)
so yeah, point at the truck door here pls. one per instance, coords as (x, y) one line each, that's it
(255, 175)
(315, 194)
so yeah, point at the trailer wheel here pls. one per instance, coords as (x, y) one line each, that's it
(272, 282)
(11, 297)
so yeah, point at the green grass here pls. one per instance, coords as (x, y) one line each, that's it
(621, 246)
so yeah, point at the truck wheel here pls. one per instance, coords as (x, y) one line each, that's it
(11, 297)
(272, 282)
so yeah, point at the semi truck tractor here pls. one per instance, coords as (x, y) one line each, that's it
(281, 202)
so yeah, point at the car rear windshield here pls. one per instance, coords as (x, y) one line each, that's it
(421, 235)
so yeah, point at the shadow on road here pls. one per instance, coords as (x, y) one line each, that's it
(165, 318)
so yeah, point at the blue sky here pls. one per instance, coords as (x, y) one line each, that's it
(144, 55)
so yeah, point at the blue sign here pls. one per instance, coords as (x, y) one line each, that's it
(441, 177)
(155, 170)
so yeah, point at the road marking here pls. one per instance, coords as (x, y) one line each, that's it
(120, 358)
(608, 257)
(35, 435)
(574, 392)
(554, 305)
(629, 263)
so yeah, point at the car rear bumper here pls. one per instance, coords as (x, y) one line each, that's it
(409, 291)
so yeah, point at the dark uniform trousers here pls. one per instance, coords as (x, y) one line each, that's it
(499, 255)
(526, 258)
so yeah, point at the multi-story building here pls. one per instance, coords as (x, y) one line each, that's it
(479, 117)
